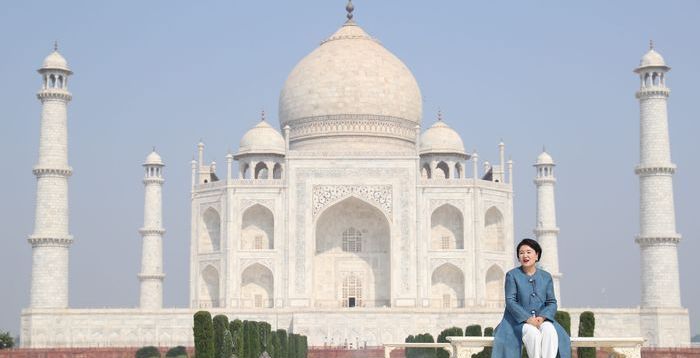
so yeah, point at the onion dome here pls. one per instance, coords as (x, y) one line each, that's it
(352, 87)
(262, 139)
(55, 61)
(153, 159)
(442, 139)
(544, 159)
(652, 59)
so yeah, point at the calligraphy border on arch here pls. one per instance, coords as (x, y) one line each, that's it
(325, 195)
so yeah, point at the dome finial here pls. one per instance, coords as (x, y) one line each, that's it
(55, 45)
(439, 116)
(651, 44)
(262, 116)
(349, 8)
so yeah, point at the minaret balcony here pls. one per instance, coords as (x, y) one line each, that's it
(648, 170)
(653, 92)
(54, 93)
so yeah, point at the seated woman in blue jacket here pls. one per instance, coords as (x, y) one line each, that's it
(529, 315)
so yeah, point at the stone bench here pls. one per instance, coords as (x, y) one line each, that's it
(464, 347)
(630, 347)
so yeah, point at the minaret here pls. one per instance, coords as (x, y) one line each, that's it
(51, 238)
(657, 238)
(546, 229)
(151, 275)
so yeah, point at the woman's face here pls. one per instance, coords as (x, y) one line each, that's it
(527, 256)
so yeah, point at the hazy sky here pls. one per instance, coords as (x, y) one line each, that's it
(167, 73)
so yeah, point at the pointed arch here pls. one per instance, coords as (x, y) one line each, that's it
(277, 171)
(459, 171)
(447, 287)
(352, 237)
(425, 171)
(261, 171)
(442, 170)
(210, 231)
(257, 228)
(209, 287)
(446, 228)
(257, 287)
(494, 286)
(494, 230)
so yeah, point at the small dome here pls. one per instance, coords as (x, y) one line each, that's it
(440, 138)
(544, 159)
(153, 159)
(55, 61)
(652, 58)
(262, 139)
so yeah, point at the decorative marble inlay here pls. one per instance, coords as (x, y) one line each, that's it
(325, 195)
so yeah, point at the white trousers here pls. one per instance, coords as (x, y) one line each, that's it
(541, 342)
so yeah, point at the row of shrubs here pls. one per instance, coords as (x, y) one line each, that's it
(153, 352)
(586, 328)
(219, 338)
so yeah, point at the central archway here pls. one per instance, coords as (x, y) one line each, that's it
(352, 264)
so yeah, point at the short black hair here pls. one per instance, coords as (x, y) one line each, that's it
(533, 244)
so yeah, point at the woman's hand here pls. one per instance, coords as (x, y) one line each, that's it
(534, 321)
(540, 320)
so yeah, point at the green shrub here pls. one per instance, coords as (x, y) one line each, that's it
(6, 340)
(564, 320)
(442, 338)
(147, 352)
(283, 341)
(486, 352)
(586, 326)
(179, 352)
(292, 346)
(421, 352)
(221, 349)
(203, 335)
(473, 331)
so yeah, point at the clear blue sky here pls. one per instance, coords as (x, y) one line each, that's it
(167, 73)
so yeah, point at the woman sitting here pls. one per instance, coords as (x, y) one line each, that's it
(529, 315)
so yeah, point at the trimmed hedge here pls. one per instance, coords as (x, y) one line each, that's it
(442, 338)
(564, 320)
(473, 331)
(178, 351)
(203, 335)
(221, 348)
(147, 352)
(586, 326)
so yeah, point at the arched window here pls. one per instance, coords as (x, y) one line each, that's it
(352, 240)
(447, 287)
(443, 170)
(52, 79)
(210, 234)
(257, 287)
(245, 171)
(425, 171)
(458, 171)
(352, 290)
(277, 171)
(60, 81)
(494, 232)
(261, 171)
(258, 228)
(446, 228)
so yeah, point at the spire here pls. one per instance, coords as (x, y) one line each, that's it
(349, 8)
(651, 44)
(55, 45)
(439, 115)
(262, 115)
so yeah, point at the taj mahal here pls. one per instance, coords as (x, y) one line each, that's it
(356, 220)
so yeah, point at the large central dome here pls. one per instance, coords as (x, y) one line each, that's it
(351, 90)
